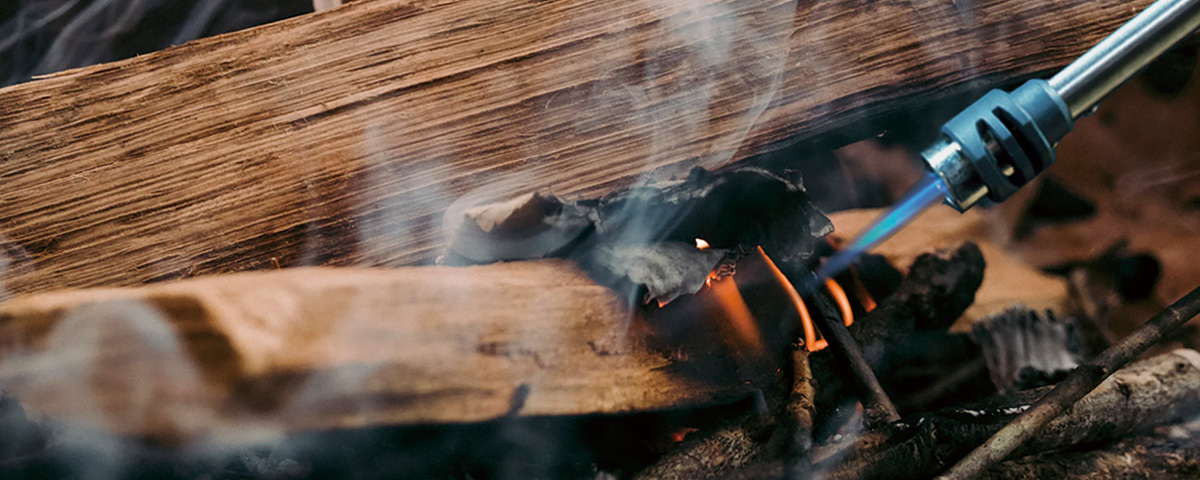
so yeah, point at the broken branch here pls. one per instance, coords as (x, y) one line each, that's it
(1147, 393)
(1077, 384)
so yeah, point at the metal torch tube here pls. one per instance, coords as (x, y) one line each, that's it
(1125, 52)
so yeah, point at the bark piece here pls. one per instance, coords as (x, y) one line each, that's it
(666, 269)
(340, 138)
(527, 227)
(646, 238)
(742, 207)
(710, 454)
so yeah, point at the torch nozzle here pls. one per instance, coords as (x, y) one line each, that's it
(1001, 142)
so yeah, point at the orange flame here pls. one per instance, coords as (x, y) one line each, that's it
(843, 302)
(860, 290)
(811, 342)
(736, 310)
(810, 334)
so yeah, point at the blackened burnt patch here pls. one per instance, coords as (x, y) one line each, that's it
(613, 237)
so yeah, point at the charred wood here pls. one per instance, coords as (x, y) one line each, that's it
(1026, 349)
(937, 290)
(877, 406)
(1007, 281)
(640, 241)
(713, 453)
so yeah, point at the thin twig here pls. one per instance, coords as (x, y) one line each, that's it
(797, 454)
(1080, 381)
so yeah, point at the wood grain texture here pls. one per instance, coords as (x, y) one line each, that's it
(322, 348)
(341, 138)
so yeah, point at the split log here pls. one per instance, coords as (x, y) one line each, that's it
(340, 138)
(317, 348)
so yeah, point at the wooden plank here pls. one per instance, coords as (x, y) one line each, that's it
(324, 348)
(342, 137)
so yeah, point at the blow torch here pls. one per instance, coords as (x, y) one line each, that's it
(1002, 141)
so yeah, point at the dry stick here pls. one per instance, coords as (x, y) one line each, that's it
(797, 455)
(1081, 381)
(877, 407)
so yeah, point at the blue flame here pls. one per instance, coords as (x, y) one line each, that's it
(926, 193)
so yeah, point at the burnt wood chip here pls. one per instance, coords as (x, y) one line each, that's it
(641, 240)
(744, 207)
(939, 288)
(527, 227)
(1025, 349)
(667, 269)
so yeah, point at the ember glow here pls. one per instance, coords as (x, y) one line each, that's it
(701, 244)
(681, 434)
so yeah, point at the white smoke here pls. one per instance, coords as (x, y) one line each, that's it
(108, 369)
